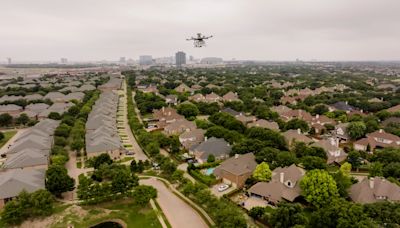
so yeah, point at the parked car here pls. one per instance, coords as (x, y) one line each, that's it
(129, 152)
(223, 187)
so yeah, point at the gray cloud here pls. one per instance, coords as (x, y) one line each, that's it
(243, 29)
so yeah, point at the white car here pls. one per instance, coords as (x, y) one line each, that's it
(223, 187)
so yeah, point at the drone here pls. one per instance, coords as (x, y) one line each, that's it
(199, 40)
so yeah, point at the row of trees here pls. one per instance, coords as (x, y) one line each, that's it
(26, 206)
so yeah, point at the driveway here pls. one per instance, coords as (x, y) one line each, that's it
(139, 154)
(214, 190)
(177, 211)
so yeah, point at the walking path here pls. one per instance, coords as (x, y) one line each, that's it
(177, 211)
(74, 172)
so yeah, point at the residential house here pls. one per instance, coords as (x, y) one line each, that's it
(377, 139)
(33, 97)
(11, 109)
(245, 119)
(55, 97)
(281, 109)
(334, 153)
(284, 185)
(198, 97)
(342, 106)
(391, 121)
(230, 96)
(86, 87)
(101, 129)
(292, 136)
(212, 97)
(14, 181)
(341, 132)
(171, 99)
(236, 170)
(394, 109)
(231, 112)
(75, 96)
(375, 189)
(213, 146)
(165, 116)
(296, 114)
(264, 124)
(182, 88)
(179, 126)
(191, 138)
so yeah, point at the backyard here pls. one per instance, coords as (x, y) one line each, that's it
(7, 136)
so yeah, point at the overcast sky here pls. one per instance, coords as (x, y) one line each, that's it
(243, 29)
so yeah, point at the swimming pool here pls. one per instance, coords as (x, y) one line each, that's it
(209, 171)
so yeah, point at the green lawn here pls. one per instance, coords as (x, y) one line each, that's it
(121, 209)
(7, 136)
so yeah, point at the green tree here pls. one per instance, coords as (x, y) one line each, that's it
(345, 168)
(211, 158)
(312, 162)
(262, 172)
(356, 129)
(143, 194)
(188, 110)
(74, 110)
(376, 169)
(340, 213)
(297, 124)
(288, 215)
(354, 158)
(54, 116)
(320, 109)
(5, 119)
(101, 159)
(22, 119)
(318, 187)
(58, 181)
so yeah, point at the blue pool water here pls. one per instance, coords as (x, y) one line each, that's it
(209, 171)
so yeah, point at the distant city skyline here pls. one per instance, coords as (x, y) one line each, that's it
(90, 30)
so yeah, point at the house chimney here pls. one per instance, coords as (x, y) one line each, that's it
(347, 102)
(371, 182)
(298, 131)
(317, 116)
(380, 130)
(205, 138)
(163, 109)
(282, 177)
(236, 156)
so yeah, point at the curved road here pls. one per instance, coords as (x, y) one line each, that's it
(177, 211)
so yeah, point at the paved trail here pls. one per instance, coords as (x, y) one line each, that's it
(177, 211)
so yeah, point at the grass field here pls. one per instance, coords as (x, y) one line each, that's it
(7, 136)
(123, 210)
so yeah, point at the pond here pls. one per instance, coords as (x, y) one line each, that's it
(107, 225)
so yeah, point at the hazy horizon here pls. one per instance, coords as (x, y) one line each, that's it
(340, 30)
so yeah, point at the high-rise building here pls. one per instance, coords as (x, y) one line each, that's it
(191, 58)
(145, 60)
(122, 60)
(9, 60)
(64, 60)
(180, 58)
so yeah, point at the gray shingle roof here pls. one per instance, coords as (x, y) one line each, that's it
(13, 181)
